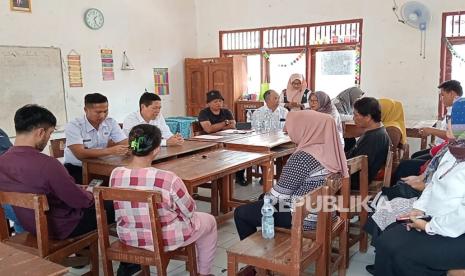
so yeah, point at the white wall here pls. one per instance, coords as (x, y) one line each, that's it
(161, 33)
(391, 65)
(155, 33)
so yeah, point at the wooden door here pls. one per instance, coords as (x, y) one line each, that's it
(220, 77)
(196, 87)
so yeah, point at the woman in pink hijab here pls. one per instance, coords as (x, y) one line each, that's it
(295, 96)
(319, 153)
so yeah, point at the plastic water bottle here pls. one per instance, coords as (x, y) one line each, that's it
(249, 116)
(267, 218)
(275, 126)
(267, 122)
(256, 121)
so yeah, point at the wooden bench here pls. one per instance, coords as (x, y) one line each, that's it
(56, 251)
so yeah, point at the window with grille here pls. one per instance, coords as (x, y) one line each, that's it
(452, 50)
(305, 48)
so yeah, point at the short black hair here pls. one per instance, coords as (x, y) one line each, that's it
(452, 85)
(369, 106)
(267, 94)
(143, 139)
(95, 98)
(32, 116)
(147, 98)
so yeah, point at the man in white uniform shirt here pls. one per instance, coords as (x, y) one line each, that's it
(149, 113)
(272, 107)
(92, 135)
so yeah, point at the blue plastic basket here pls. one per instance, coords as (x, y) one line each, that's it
(181, 124)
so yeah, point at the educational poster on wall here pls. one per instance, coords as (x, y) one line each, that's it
(107, 64)
(74, 69)
(160, 76)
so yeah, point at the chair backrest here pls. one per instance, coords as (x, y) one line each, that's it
(36, 202)
(57, 147)
(388, 168)
(197, 129)
(311, 202)
(359, 164)
(152, 198)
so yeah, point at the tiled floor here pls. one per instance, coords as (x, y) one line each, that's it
(227, 236)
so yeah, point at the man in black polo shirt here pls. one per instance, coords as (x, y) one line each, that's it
(374, 142)
(215, 118)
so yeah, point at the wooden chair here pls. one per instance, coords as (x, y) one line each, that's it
(339, 256)
(365, 192)
(376, 184)
(289, 253)
(40, 244)
(358, 164)
(57, 147)
(196, 129)
(118, 251)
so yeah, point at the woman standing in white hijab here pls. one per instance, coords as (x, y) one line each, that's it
(295, 96)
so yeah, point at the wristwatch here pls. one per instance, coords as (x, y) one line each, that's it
(226, 122)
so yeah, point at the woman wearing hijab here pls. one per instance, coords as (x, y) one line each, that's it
(437, 245)
(392, 117)
(319, 152)
(321, 102)
(295, 96)
(344, 103)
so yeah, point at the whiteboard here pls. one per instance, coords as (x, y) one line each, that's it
(30, 75)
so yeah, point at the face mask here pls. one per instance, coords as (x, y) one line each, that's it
(457, 149)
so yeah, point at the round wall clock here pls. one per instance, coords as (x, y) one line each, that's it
(94, 19)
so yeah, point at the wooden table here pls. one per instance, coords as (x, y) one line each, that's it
(413, 130)
(224, 137)
(260, 142)
(278, 144)
(412, 126)
(219, 164)
(15, 262)
(104, 166)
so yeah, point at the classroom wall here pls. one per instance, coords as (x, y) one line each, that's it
(391, 65)
(155, 33)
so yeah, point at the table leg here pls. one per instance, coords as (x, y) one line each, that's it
(214, 197)
(249, 175)
(267, 168)
(224, 191)
(279, 166)
(85, 174)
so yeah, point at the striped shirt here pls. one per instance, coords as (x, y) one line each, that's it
(175, 213)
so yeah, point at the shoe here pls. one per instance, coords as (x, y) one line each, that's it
(370, 269)
(126, 269)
